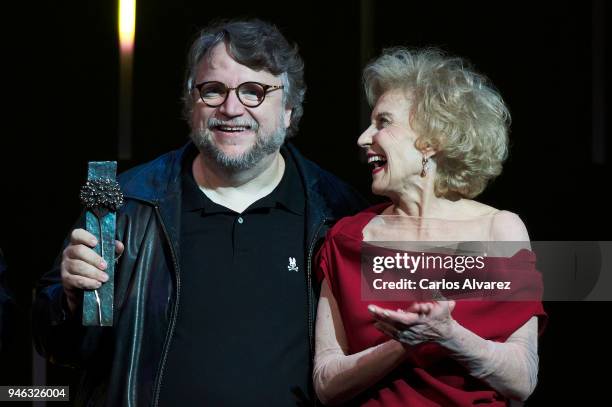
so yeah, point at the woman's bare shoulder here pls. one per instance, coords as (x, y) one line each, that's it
(508, 226)
(505, 225)
(474, 209)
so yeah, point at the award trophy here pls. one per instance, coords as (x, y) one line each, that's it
(101, 196)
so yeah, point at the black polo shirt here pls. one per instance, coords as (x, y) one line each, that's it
(241, 336)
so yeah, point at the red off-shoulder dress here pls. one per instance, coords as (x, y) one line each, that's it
(429, 377)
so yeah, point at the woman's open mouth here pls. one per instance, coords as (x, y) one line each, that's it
(377, 162)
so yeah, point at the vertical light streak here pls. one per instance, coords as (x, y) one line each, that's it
(127, 28)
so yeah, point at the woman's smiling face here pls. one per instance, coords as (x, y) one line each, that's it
(390, 144)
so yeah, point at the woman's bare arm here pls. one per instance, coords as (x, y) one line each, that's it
(338, 377)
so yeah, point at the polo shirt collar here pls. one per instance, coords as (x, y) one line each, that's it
(289, 193)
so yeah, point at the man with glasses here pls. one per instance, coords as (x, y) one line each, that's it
(214, 296)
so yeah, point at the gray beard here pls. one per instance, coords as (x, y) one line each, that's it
(264, 145)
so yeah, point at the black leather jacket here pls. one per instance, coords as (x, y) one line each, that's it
(124, 365)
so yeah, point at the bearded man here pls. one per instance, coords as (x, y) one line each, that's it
(214, 296)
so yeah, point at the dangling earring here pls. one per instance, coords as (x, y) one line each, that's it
(425, 164)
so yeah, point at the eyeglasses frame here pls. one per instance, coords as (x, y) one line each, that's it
(266, 88)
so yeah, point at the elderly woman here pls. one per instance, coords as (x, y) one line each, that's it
(438, 134)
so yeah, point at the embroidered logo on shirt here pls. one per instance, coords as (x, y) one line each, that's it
(292, 266)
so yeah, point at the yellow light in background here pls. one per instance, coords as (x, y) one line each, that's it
(127, 24)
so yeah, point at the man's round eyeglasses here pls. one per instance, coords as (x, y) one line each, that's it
(250, 94)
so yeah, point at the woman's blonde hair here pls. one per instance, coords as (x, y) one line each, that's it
(453, 109)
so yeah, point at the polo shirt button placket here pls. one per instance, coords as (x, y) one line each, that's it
(240, 220)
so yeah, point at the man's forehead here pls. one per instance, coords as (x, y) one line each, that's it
(218, 60)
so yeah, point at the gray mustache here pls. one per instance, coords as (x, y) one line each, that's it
(252, 124)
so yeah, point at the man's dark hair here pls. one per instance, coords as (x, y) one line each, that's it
(258, 45)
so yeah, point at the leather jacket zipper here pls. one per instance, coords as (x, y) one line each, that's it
(170, 332)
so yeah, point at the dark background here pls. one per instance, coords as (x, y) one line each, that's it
(550, 62)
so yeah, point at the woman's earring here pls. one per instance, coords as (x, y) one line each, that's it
(425, 164)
